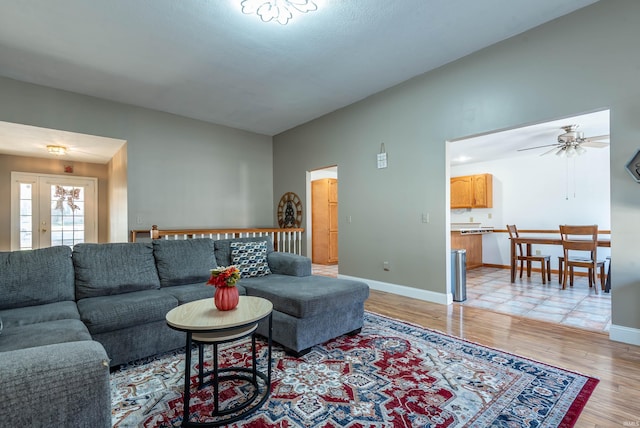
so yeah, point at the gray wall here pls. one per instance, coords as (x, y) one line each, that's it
(180, 172)
(579, 63)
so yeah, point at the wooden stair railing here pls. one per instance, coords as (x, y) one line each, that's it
(286, 240)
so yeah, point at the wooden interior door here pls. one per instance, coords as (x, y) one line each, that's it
(324, 221)
(333, 221)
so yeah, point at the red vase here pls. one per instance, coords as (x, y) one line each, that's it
(226, 298)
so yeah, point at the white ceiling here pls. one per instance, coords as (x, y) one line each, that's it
(207, 60)
(24, 140)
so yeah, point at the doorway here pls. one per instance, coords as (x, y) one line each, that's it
(49, 210)
(323, 185)
(537, 188)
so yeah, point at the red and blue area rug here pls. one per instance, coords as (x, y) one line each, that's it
(393, 374)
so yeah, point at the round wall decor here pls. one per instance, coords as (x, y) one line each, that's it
(290, 211)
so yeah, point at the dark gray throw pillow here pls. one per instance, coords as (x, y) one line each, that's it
(184, 261)
(114, 268)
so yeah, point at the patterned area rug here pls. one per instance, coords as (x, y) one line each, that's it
(393, 374)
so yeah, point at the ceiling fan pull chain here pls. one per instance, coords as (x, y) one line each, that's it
(574, 178)
(566, 190)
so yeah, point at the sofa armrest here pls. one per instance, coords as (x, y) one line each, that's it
(289, 264)
(60, 385)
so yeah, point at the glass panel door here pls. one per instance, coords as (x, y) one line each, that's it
(53, 210)
(26, 215)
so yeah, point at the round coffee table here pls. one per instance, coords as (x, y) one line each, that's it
(204, 324)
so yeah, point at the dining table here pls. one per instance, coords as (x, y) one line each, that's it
(529, 241)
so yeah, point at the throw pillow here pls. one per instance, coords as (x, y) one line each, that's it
(250, 258)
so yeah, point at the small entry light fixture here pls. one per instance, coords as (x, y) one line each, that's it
(57, 150)
(279, 10)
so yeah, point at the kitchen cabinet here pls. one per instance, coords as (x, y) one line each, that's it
(472, 242)
(472, 191)
(324, 221)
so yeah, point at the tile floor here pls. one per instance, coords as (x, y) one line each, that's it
(577, 306)
(491, 289)
(326, 270)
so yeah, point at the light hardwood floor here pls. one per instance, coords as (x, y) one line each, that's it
(615, 401)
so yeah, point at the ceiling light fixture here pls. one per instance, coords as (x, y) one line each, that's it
(279, 10)
(57, 150)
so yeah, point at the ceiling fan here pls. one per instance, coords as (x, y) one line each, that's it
(572, 143)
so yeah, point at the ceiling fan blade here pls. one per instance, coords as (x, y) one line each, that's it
(596, 144)
(597, 138)
(539, 147)
(550, 151)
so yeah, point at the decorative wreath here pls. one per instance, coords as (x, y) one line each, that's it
(289, 211)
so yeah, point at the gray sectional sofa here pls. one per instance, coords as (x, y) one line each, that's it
(69, 316)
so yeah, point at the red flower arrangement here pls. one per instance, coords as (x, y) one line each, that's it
(224, 276)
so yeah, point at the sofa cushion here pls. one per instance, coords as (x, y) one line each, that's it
(36, 277)
(107, 313)
(47, 333)
(39, 314)
(250, 258)
(223, 248)
(184, 261)
(304, 297)
(106, 269)
(191, 292)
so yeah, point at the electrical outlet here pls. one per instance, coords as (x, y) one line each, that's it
(385, 266)
(538, 252)
(489, 215)
(470, 219)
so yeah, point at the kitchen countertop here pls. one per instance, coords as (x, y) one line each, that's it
(469, 228)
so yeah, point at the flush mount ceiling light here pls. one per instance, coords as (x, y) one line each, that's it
(279, 10)
(57, 150)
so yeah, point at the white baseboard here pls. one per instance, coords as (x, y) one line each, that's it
(624, 334)
(403, 290)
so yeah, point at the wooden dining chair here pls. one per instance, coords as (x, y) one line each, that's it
(580, 248)
(545, 260)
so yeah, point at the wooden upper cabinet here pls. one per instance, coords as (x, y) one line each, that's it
(472, 191)
(483, 191)
(461, 192)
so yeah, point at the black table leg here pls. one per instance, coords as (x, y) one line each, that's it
(215, 379)
(187, 380)
(201, 365)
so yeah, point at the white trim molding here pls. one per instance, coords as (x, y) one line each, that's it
(403, 290)
(629, 335)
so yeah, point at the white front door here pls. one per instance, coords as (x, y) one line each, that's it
(49, 210)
